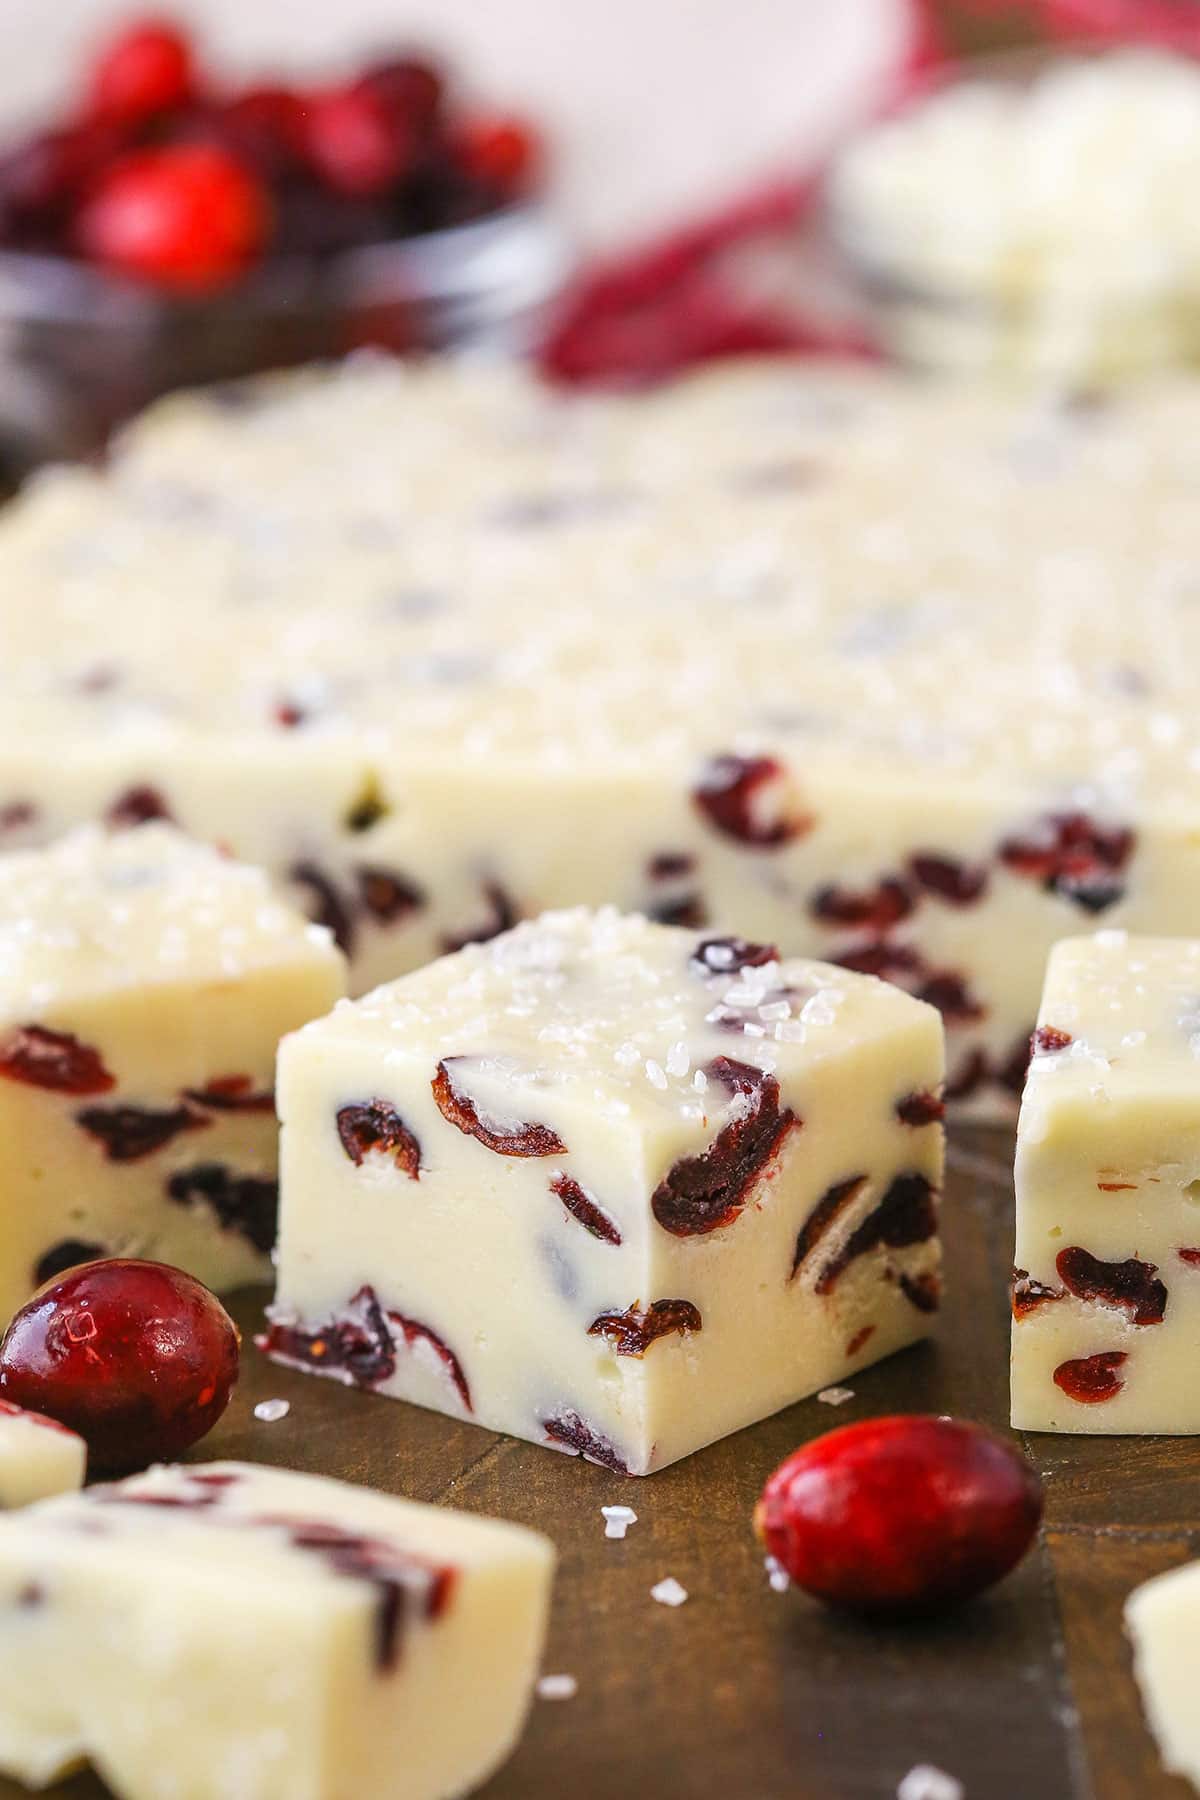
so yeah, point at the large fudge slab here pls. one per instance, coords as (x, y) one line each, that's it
(613, 1186)
(892, 677)
(1106, 1292)
(221, 1630)
(145, 982)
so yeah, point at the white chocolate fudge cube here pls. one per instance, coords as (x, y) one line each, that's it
(609, 1185)
(1106, 1288)
(38, 1457)
(1162, 1618)
(145, 982)
(221, 1629)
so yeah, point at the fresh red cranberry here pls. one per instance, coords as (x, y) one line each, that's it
(127, 1133)
(730, 955)
(326, 905)
(410, 88)
(632, 1332)
(570, 1432)
(376, 1125)
(825, 1213)
(188, 217)
(264, 127)
(906, 1215)
(388, 897)
(868, 909)
(702, 1193)
(138, 1358)
(356, 144)
(900, 1515)
(921, 1108)
(138, 806)
(737, 795)
(503, 154)
(41, 1058)
(504, 914)
(1131, 1284)
(247, 1204)
(148, 69)
(1028, 1294)
(1048, 1038)
(582, 1206)
(232, 1093)
(959, 884)
(1092, 1379)
(502, 1136)
(43, 177)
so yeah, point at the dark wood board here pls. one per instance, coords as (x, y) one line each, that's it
(744, 1694)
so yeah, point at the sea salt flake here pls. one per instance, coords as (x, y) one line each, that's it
(617, 1520)
(557, 1687)
(777, 1575)
(669, 1592)
(678, 1059)
(271, 1411)
(925, 1782)
(835, 1396)
(656, 1075)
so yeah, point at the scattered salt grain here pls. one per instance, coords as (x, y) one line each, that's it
(699, 1081)
(924, 1782)
(836, 1396)
(271, 1411)
(669, 1592)
(617, 1520)
(557, 1687)
(678, 1059)
(655, 1074)
(777, 1575)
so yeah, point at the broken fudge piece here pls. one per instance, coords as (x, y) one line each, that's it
(1106, 1289)
(613, 1186)
(145, 982)
(1162, 1618)
(223, 1629)
(38, 1457)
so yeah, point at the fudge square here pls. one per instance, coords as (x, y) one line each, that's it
(1162, 1618)
(38, 1457)
(145, 982)
(220, 1629)
(613, 1186)
(1106, 1292)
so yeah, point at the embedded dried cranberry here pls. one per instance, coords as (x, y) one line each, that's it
(387, 896)
(860, 1339)
(1189, 1256)
(901, 1515)
(289, 715)
(580, 1204)
(17, 814)
(1117, 1187)
(968, 1077)
(504, 915)
(573, 1433)
(148, 69)
(1130, 1284)
(1072, 856)
(1092, 1379)
(687, 910)
(906, 1215)
(358, 1345)
(828, 1209)
(923, 1291)
(702, 1193)
(632, 1332)
(413, 1331)
(327, 906)
(730, 955)
(376, 1125)
(730, 793)
(138, 1358)
(55, 1060)
(247, 1204)
(138, 806)
(504, 1137)
(868, 909)
(232, 1093)
(920, 1108)
(953, 999)
(1048, 1038)
(127, 1133)
(955, 882)
(67, 1254)
(670, 865)
(1028, 1294)
(889, 961)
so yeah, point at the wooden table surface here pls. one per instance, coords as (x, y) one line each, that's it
(744, 1694)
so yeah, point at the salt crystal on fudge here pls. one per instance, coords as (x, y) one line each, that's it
(1106, 1292)
(38, 1457)
(492, 1205)
(145, 982)
(222, 1629)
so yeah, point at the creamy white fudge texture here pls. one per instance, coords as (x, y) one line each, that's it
(895, 677)
(38, 1457)
(145, 982)
(1162, 1618)
(227, 1632)
(1106, 1291)
(613, 1186)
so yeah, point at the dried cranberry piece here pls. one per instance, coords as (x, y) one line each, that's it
(17, 814)
(573, 1433)
(1073, 856)
(504, 915)
(921, 1107)
(412, 1331)
(968, 1077)
(1048, 1038)
(387, 896)
(327, 907)
(1130, 1284)
(1189, 1256)
(1117, 1187)
(669, 865)
(247, 1204)
(376, 1125)
(727, 792)
(828, 1209)
(906, 1215)
(55, 1060)
(687, 910)
(702, 1193)
(138, 806)
(580, 1204)
(861, 1337)
(1028, 1294)
(952, 997)
(923, 1291)
(1091, 1379)
(868, 909)
(127, 1133)
(290, 716)
(68, 1253)
(359, 1345)
(505, 1139)
(730, 955)
(955, 882)
(632, 1332)
(889, 961)
(232, 1093)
